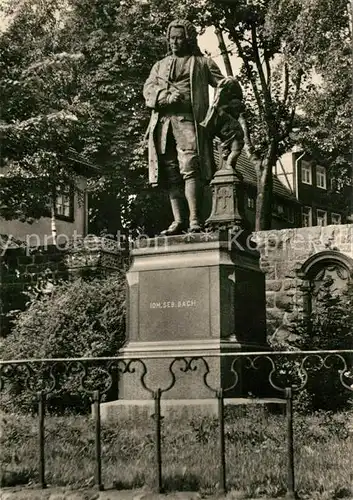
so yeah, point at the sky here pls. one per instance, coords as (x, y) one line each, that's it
(208, 41)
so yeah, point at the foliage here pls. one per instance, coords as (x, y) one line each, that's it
(72, 81)
(328, 327)
(20, 287)
(120, 45)
(328, 109)
(280, 46)
(43, 113)
(77, 319)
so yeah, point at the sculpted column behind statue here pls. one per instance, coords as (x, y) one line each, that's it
(180, 149)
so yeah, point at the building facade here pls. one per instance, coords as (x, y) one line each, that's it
(322, 201)
(71, 214)
(285, 206)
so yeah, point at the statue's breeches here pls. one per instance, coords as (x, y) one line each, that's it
(176, 143)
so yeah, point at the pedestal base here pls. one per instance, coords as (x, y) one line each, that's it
(187, 370)
(194, 302)
(178, 409)
(171, 408)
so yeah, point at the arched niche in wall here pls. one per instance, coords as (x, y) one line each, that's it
(329, 266)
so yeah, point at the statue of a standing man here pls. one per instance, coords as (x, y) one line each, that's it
(180, 152)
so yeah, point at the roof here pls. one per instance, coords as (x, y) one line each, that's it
(247, 170)
(82, 164)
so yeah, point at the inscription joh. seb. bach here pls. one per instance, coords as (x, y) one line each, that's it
(174, 304)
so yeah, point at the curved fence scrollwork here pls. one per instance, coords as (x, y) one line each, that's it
(286, 373)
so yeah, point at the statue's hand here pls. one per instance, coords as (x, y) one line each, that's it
(174, 96)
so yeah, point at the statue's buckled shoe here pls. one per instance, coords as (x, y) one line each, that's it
(176, 227)
(195, 226)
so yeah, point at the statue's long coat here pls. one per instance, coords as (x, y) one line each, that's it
(203, 72)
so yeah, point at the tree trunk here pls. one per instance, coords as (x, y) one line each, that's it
(224, 51)
(268, 207)
(260, 198)
(53, 221)
(264, 199)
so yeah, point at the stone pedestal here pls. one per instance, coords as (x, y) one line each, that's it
(197, 295)
(225, 204)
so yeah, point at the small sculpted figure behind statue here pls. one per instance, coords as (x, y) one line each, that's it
(222, 120)
(180, 149)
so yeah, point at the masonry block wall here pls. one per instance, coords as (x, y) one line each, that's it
(24, 267)
(283, 253)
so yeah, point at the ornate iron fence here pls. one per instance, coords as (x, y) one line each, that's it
(287, 373)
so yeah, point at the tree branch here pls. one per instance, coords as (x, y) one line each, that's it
(249, 74)
(265, 89)
(224, 51)
(286, 83)
(268, 71)
(297, 84)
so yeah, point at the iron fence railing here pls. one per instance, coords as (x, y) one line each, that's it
(286, 372)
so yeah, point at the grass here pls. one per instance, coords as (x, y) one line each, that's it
(255, 453)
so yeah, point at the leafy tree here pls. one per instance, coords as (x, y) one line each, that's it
(81, 318)
(328, 108)
(119, 44)
(42, 111)
(73, 77)
(280, 43)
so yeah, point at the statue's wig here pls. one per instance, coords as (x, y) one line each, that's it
(190, 35)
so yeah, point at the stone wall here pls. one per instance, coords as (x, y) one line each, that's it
(23, 267)
(284, 255)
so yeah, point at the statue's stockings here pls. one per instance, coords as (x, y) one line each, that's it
(193, 195)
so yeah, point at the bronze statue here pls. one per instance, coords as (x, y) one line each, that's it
(180, 149)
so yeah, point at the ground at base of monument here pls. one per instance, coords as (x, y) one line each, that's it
(176, 408)
(92, 494)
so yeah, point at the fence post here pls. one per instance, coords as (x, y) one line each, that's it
(41, 437)
(157, 416)
(222, 470)
(97, 425)
(290, 445)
